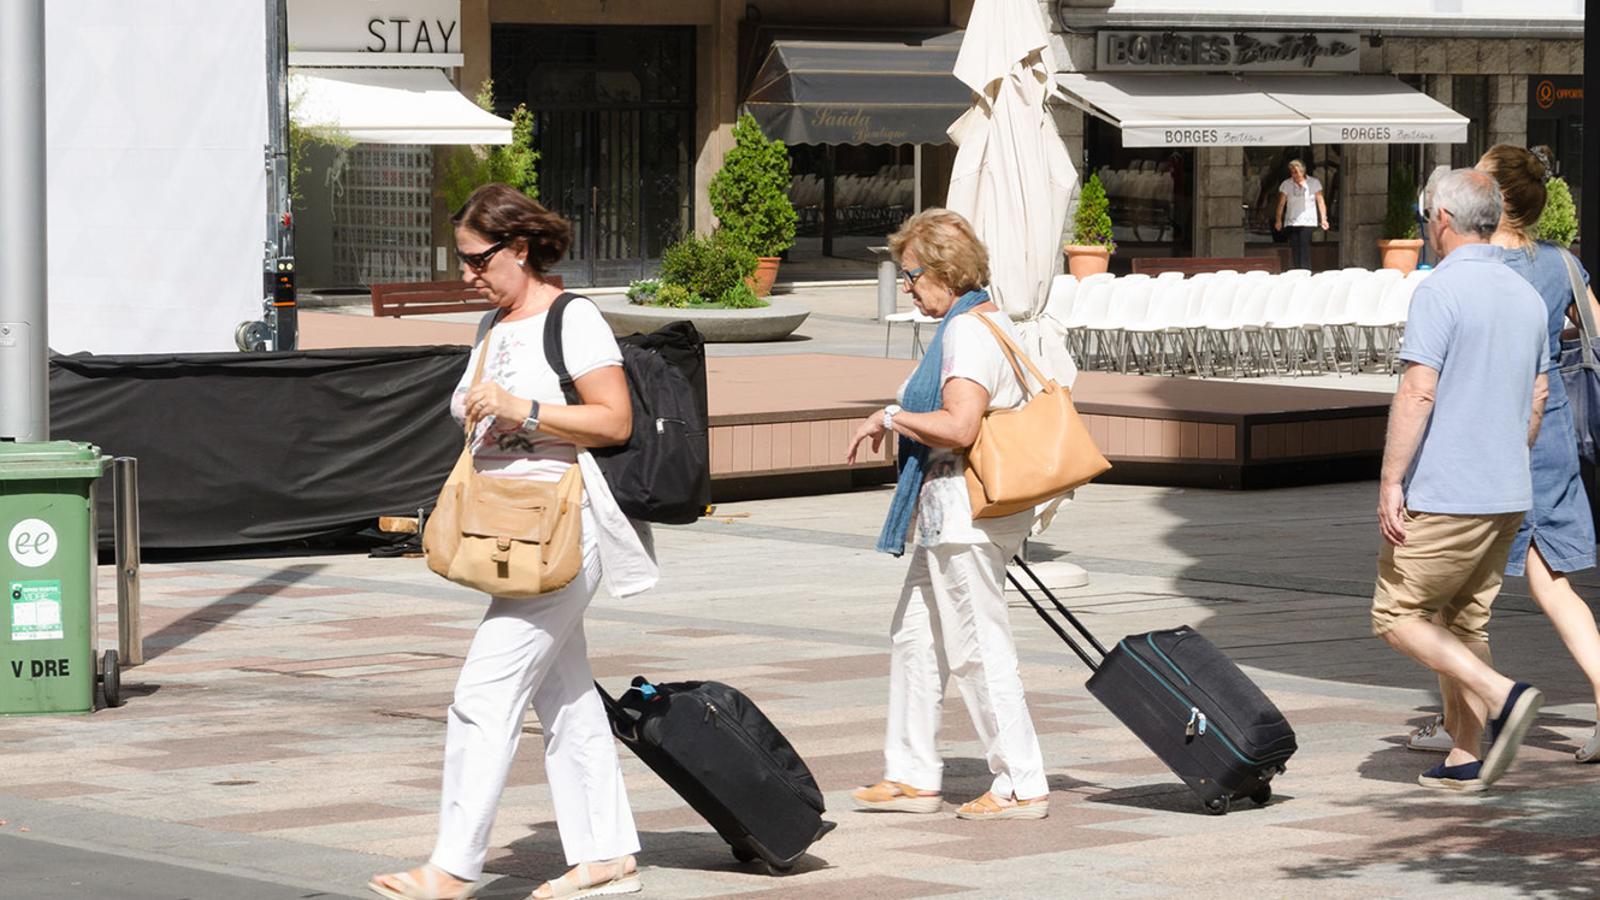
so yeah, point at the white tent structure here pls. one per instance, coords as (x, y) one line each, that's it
(1012, 177)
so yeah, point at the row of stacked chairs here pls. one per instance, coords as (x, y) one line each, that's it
(1235, 323)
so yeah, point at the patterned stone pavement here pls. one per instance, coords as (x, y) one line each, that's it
(288, 724)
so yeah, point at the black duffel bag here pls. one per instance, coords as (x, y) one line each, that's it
(663, 473)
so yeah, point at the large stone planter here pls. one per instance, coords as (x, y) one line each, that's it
(769, 323)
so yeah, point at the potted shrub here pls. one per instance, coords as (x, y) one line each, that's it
(1400, 245)
(1558, 224)
(705, 272)
(1090, 252)
(750, 196)
(465, 169)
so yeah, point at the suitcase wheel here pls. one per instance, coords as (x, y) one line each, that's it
(1262, 796)
(1217, 806)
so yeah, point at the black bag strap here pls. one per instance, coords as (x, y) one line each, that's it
(1055, 626)
(553, 352)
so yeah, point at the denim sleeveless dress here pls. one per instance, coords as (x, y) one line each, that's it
(1560, 523)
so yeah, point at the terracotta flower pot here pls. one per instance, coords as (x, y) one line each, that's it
(1401, 253)
(766, 273)
(1084, 260)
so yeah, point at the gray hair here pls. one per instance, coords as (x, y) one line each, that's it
(1472, 198)
(1296, 164)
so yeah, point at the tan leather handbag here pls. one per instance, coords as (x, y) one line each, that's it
(1025, 456)
(509, 537)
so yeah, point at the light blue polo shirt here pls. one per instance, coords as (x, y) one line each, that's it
(1482, 327)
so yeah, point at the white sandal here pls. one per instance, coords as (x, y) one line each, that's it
(426, 888)
(624, 880)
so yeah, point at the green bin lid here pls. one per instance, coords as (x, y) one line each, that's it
(50, 459)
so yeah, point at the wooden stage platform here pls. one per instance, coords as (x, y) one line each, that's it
(781, 423)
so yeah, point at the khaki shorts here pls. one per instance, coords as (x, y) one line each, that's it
(1450, 567)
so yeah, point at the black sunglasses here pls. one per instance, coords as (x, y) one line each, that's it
(477, 262)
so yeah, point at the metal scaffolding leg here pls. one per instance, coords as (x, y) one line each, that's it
(130, 628)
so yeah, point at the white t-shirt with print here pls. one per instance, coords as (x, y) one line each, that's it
(517, 363)
(944, 510)
(1300, 208)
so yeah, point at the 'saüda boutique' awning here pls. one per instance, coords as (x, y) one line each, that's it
(1177, 110)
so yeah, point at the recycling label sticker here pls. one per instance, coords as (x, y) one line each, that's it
(36, 611)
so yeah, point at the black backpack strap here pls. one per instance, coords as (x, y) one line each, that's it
(553, 352)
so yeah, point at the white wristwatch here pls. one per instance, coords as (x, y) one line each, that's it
(889, 412)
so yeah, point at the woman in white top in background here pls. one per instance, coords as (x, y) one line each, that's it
(1301, 207)
(952, 617)
(532, 649)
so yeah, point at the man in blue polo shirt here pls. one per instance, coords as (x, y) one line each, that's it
(1455, 480)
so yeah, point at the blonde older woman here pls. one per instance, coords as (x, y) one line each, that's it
(952, 617)
(1300, 197)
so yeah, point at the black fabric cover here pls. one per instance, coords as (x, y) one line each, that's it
(241, 449)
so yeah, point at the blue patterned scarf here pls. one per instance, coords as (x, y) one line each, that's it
(924, 393)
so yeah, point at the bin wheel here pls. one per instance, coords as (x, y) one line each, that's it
(111, 679)
(743, 854)
(1262, 796)
(1217, 806)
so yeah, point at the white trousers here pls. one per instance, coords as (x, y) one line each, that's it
(952, 620)
(533, 649)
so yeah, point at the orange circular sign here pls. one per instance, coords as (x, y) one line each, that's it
(1545, 95)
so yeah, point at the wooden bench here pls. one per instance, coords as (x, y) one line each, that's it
(416, 298)
(1155, 265)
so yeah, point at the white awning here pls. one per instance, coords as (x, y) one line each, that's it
(1364, 109)
(391, 106)
(1179, 110)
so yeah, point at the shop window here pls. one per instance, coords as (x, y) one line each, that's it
(1469, 96)
(873, 190)
(382, 197)
(1265, 169)
(1151, 190)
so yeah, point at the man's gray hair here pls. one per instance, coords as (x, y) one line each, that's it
(1472, 198)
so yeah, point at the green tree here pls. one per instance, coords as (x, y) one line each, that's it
(1558, 224)
(1092, 224)
(750, 193)
(466, 169)
(1400, 218)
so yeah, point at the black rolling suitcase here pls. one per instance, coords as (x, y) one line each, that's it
(716, 748)
(1188, 702)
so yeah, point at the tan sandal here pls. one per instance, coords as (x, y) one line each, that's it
(893, 796)
(990, 807)
(623, 878)
(427, 882)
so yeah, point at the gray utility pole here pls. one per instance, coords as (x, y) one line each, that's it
(24, 331)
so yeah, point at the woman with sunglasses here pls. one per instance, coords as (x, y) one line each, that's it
(952, 617)
(534, 650)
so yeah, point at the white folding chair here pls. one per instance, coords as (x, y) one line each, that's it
(1301, 320)
(1215, 307)
(1161, 326)
(916, 320)
(1089, 311)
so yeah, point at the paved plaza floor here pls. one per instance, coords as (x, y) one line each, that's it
(285, 737)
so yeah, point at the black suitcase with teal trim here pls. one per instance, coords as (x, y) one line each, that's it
(1189, 703)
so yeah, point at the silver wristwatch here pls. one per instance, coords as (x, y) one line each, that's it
(531, 423)
(889, 412)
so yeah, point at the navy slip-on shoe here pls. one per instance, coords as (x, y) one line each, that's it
(1464, 778)
(1507, 730)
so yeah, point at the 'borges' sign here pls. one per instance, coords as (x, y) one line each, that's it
(1257, 51)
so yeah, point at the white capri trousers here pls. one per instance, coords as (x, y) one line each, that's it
(533, 649)
(952, 620)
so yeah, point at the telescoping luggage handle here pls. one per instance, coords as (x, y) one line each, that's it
(1093, 664)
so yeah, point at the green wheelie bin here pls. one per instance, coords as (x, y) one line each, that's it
(48, 572)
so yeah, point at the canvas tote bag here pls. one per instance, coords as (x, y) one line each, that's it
(509, 537)
(1580, 367)
(1025, 456)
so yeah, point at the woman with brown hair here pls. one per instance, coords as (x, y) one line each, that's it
(533, 650)
(1557, 534)
(952, 618)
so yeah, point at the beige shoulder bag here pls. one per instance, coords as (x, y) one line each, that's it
(509, 537)
(1026, 456)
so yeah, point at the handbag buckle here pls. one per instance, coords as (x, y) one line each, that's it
(502, 550)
